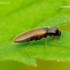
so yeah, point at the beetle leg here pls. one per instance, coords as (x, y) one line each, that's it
(29, 45)
(55, 39)
(45, 42)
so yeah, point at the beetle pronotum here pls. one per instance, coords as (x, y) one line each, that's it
(37, 34)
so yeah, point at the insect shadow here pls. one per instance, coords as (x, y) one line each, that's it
(35, 44)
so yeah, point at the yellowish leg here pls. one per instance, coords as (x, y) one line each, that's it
(29, 45)
(45, 42)
(55, 39)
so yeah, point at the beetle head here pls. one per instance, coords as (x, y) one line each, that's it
(54, 31)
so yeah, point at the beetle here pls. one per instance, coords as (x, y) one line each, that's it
(37, 34)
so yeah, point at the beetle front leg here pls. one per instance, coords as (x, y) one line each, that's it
(56, 39)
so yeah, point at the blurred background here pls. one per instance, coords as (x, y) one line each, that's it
(41, 65)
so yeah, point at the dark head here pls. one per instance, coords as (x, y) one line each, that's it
(54, 31)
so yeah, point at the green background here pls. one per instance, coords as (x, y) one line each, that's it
(18, 16)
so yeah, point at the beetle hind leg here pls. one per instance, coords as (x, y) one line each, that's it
(45, 42)
(29, 45)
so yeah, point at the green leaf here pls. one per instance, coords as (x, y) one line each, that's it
(20, 16)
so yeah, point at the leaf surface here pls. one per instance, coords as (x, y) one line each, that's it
(20, 16)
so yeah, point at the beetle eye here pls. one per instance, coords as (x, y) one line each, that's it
(58, 32)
